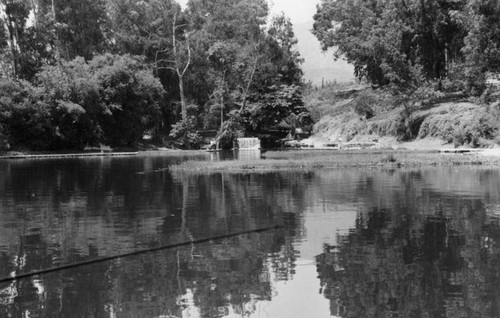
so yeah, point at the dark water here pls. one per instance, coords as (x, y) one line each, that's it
(353, 243)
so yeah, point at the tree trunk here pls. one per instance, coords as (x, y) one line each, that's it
(247, 88)
(11, 27)
(183, 97)
(179, 69)
(53, 10)
(222, 100)
(221, 111)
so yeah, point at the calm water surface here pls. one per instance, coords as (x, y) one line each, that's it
(351, 242)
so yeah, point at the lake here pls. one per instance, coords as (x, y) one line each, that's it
(127, 237)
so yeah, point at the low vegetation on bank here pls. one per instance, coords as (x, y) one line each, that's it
(361, 113)
(306, 160)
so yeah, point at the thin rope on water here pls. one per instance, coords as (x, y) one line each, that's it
(149, 250)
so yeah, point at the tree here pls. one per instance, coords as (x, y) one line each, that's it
(229, 19)
(176, 56)
(14, 16)
(25, 118)
(72, 95)
(110, 99)
(28, 38)
(399, 42)
(482, 42)
(269, 110)
(232, 32)
(285, 55)
(211, 59)
(81, 27)
(248, 63)
(131, 96)
(158, 31)
(222, 55)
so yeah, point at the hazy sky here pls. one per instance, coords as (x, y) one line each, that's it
(299, 11)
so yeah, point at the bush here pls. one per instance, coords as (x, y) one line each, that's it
(130, 96)
(463, 78)
(4, 141)
(72, 96)
(363, 104)
(473, 129)
(390, 158)
(268, 110)
(408, 124)
(112, 99)
(461, 124)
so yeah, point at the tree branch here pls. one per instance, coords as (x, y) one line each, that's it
(188, 61)
(165, 68)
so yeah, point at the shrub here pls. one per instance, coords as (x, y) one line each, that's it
(464, 78)
(460, 124)
(472, 129)
(112, 99)
(408, 124)
(268, 110)
(363, 104)
(4, 141)
(130, 96)
(390, 158)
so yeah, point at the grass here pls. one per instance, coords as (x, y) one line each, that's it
(342, 116)
(316, 159)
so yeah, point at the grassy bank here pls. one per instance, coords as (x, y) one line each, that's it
(314, 159)
(363, 113)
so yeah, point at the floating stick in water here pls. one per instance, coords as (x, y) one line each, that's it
(149, 250)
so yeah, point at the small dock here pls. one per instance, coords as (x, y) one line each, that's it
(70, 155)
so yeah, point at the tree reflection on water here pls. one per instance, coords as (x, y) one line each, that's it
(416, 265)
(89, 211)
(423, 244)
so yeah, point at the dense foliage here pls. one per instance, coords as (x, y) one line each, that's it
(408, 42)
(80, 73)
(110, 99)
(421, 58)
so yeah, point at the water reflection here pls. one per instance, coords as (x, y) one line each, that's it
(353, 243)
(414, 266)
(236, 154)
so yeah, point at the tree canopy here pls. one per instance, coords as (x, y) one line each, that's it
(405, 42)
(112, 71)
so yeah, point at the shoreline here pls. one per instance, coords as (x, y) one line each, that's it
(305, 160)
(92, 154)
(67, 155)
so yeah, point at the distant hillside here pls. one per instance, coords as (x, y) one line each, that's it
(319, 65)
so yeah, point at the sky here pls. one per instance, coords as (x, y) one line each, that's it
(318, 66)
(299, 11)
